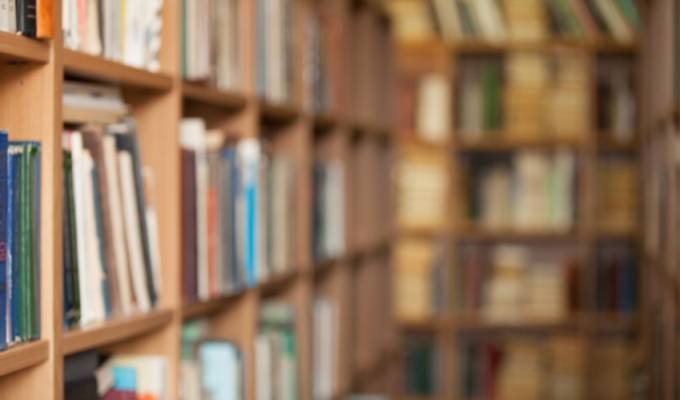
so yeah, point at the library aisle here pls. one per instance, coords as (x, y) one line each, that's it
(339, 199)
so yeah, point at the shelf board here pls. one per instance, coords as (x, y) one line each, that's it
(509, 144)
(212, 96)
(277, 282)
(84, 65)
(279, 113)
(478, 323)
(22, 356)
(324, 121)
(114, 331)
(480, 234)
(15, 47)
(605, 45)
(207, 307)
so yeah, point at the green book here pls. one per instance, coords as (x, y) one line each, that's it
(629, 10)
(490, 97)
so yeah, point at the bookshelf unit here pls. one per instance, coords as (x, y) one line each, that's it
(447, 329)
(31, 77)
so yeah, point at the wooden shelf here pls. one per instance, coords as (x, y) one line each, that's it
(18, 48)
(510, 144)
(478, 323)
(22, 356)
(114, 331)
(474, 46)
(277, 113)
(324, 121)
(478, 234)
(277, 283)
(212, 96)
(84, 65)
(203, 308)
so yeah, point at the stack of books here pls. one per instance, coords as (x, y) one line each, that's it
(566, 368)
(274, 28)
(617, 195)
(19, 240)
(413, 286)
(127, 32)
(534, 286)
(424, 107)
(521, 373)
(111, 255)
(238, 213)
(276, 373)
(209, 367)
(422, 183)
(534, 192)
(617, 279)
(497, 21)
(616, 103)
(525, 94)
(325, 358)
(613, 366)
(211, 31)
(119, 376)
(568, 113)
(479, 91)
(328, 191)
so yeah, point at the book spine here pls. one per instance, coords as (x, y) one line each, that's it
(26, 17)
(3, 240)
(26, 276)
(12, 240)
(45, 19)
(34, 243)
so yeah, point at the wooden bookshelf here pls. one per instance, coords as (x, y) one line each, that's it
(446, 327)
(33, 72)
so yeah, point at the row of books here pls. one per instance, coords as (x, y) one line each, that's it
(535, 20)
(617, 279)
(211, 32)
(527, 191)
(526, 95)
(276, 359)
(425, 107)
(556, 367)
(127, 32)
(210, 368)
(328, 191)
(89, 375)
(274, 24)
(20, 241)
(513, 283)
(29, 18)
(422, 184)
(238, 212)
(110, 246)
(618, 197)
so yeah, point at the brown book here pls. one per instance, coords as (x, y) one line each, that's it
(92, 141)
(45, 19)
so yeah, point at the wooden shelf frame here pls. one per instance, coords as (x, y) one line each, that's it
(22, 356)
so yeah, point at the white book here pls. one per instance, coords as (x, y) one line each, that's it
(96, 283)
(132, 231)
(117, 224)
(446, 12)
(4, 15)
(74, 142)
(263, 368)
(563, 190)
(324, 345)
(11, 16)
(434, 108)
(94, 44)
(489, 19)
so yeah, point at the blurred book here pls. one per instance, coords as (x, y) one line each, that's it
(412, 279)
(325, 345)
(211, 31)
(132, 376)
(422, 184)
(613, 365)
(425, 107)
(274, 27)
(420, 365)
(617, 279)
(328, 194)
(276, 365)
(412, 20)
(616, 100)
(617, 195)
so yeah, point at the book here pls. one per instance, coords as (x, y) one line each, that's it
(419, 367)
(124, 31)
(325, 359)
(274, 24)
(328, 209)
(276, 365)
(4, 284)
(433, 109)
(221, 369)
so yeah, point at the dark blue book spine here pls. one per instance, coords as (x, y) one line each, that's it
(100, 233)
(35, 245)
(13, 243)
(234, 250)
(3, 241)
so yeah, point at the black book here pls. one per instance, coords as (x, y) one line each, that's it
(26, 17)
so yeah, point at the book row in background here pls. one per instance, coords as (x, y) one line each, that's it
(505, 283)
(19, 241)
(525, 367)
(110, 247)
(523, 96)
(29, 18)
(515, 20)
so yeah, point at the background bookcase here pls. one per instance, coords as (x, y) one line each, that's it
(446, 329)
(356, 130)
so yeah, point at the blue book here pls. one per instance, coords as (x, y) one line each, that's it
(221, 370)
(249, 154)
(3, 241)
